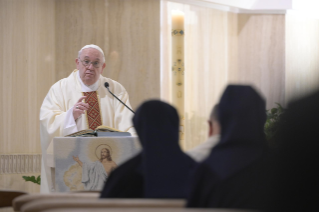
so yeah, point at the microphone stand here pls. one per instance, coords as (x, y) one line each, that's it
(119, 99)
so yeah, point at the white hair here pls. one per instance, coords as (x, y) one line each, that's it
(93, 47)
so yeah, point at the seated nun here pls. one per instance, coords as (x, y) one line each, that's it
(234, 174)
(161, 169)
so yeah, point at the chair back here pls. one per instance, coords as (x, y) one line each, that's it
(145, 210)
(88, 204)
(6, 197)
(22, 200)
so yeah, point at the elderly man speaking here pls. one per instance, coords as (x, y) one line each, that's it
(64, 110)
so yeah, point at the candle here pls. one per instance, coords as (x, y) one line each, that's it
(178, 66)
(177, 19)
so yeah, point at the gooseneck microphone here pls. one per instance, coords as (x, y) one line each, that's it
(106, 84)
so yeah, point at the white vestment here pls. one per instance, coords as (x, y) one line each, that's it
(93, 176)
(202, 151)
(56, 116)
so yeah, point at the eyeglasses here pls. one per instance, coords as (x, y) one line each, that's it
(87, 63)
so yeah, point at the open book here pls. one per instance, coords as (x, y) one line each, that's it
(93, 133)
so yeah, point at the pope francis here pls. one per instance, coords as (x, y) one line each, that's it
(80, 102)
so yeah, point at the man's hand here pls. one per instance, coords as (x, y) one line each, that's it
(79, 108)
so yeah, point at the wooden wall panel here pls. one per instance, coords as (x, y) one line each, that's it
(302, 53)
(134, 47)
(232, 48)
(27, 71)
(128, 33)
(261, 55)
(16, 182)
(78, 23)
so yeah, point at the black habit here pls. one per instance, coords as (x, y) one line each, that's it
(161, 170)
(235, 173)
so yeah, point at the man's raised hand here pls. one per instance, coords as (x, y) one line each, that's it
(79, 108)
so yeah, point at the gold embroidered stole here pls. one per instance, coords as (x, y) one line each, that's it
(93, 114)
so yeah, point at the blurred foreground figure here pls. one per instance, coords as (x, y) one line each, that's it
(235, 173)
(296, 182)
(161, 170)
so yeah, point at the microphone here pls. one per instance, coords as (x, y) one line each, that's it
(106, 84)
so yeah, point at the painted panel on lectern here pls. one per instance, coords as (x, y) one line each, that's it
(82, 164)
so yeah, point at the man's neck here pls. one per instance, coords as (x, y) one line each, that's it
(88, 88)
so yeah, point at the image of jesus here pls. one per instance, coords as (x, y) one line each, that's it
(95, 174)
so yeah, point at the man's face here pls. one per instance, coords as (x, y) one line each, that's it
(90, 73)
(104, 154)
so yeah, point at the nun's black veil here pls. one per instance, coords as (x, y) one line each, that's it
(242, 117)
(161, 169)
(220, 180)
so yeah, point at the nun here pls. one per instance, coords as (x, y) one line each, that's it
(235, 173)
(161, 169)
